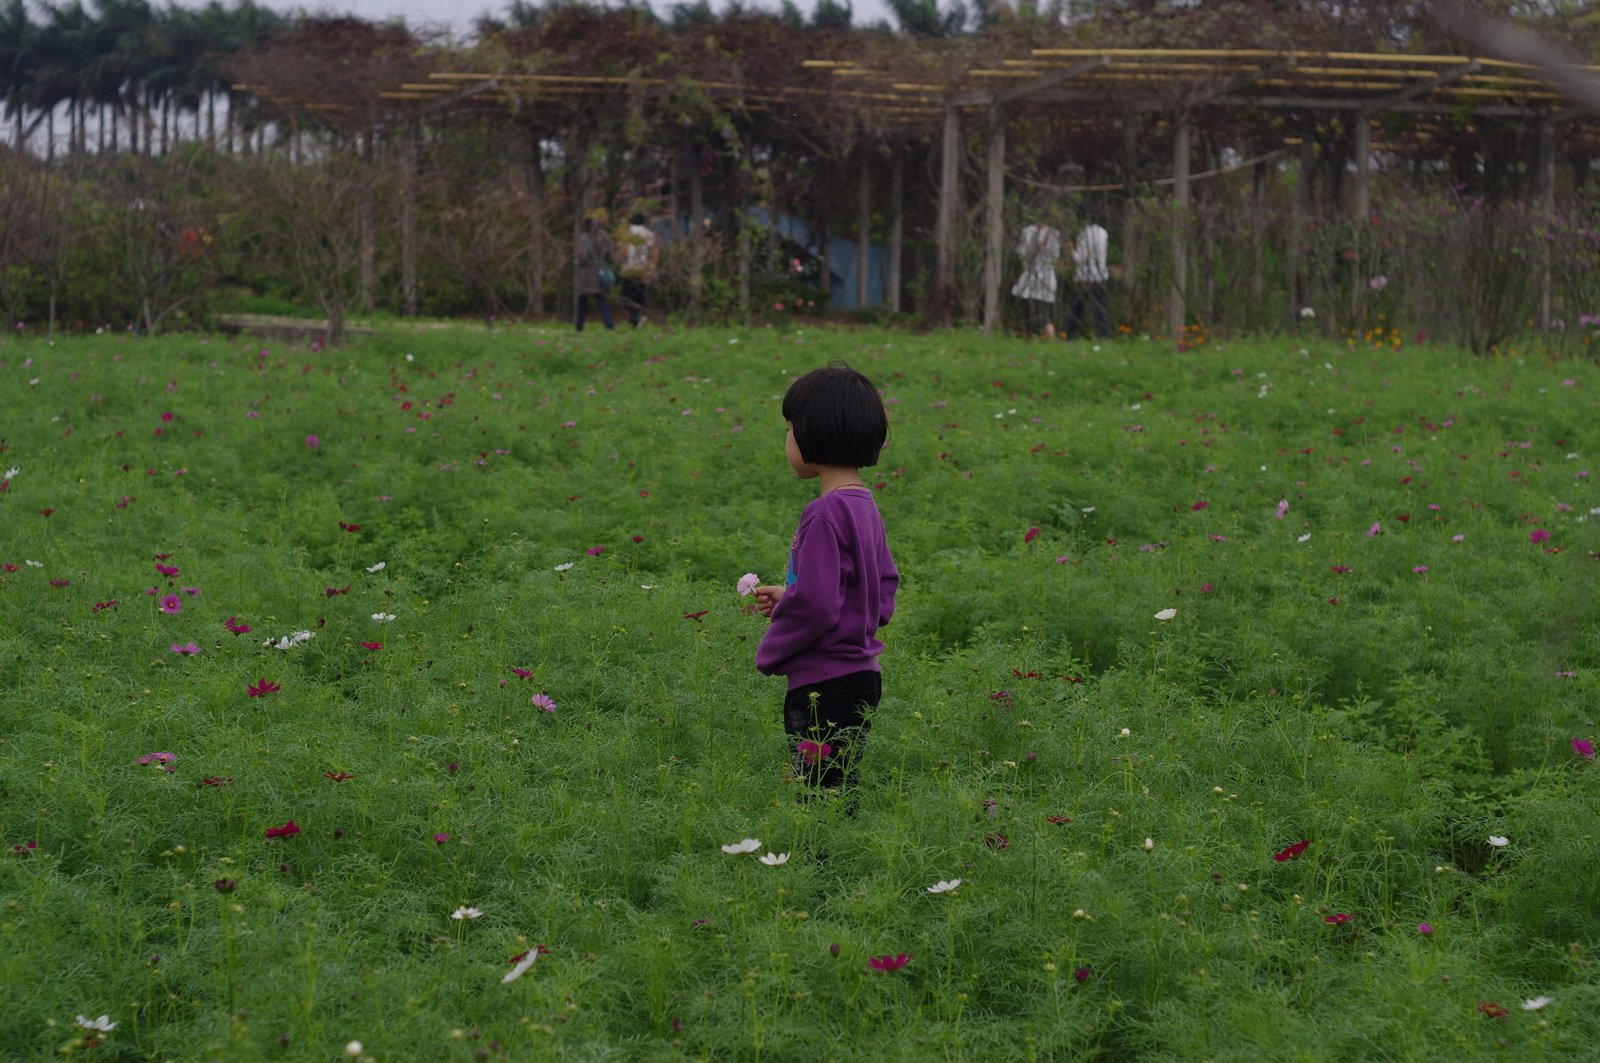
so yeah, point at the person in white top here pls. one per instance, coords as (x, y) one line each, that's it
(641, 255)
(1089, 275)
(1039, 248)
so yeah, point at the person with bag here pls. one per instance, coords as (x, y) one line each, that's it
(1039, 249)
(594, 273)
(641, 254)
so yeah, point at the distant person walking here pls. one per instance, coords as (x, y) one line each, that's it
(1039, 248)
(594, 255)
(640, 257)
(1089, 276)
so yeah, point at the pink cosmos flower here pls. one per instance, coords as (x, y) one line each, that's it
(1283, 508)
(1583, 747)
(234, 627)
(813, 751)
(372, 645)
(167, 570)
(187, 649)
(1425, 929)
(263, 688)
(888, 963)
(1082, 974)
(440, 838)
(748, 583)
(1337, 918)
(595, 551)
(1419, 569)
(1537, 536)
(1375, 531)
(1195, 507)
(544, 702)
(193, 592)
(156, 758)
(521, 673)
(312, 441)
(172, 605)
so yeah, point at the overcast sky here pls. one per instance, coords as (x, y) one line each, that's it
(459, 14)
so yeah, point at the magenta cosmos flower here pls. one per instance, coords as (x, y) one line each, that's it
(888, 963)
(1583, 747)
(1537, 536)
(172, 605)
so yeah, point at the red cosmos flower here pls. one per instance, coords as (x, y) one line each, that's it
(1341, 570)
(25, 848)
(337, 776)
(372, 645)
(100, 606)
(1082, 974)
(888, 963)
(234, 627)
(225, 885)
(263, 688)
(696, 616)
(1030, 535)
(1199, 506)
(349, 527)
(13, 568)
(46, 512)
(1000, 695)
(1338, 918)
(214, 780)
(1058, 819)
(284, 831)
(1293, 851)
(60, 583)
(167, 570)
(335, 591)
(997, 841)
(1492, 1010)
(521, 673)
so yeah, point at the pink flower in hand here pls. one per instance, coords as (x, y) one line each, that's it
(748, 583)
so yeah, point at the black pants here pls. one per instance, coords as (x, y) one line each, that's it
(1039, 313)
(827, 724)
(633, 296)
(1096, 291)
(605, 309)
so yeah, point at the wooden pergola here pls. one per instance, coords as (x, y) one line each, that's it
(915, 88)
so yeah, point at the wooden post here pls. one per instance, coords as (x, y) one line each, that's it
(697, 242)
(1130, 207)
(1305, 167)
(369, 244)
(408, 218)
(536, 225)
(746, 170)
(1361, 205)
(995, 220)
(897, 217)
(823, 236)
(944, 281)
(863, 226)
(1545, 193)
(1176, 307)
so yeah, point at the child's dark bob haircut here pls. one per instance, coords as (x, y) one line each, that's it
(838, 417)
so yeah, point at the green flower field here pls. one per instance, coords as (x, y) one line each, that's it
(396, 702)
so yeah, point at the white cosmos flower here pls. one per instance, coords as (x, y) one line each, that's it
(33, 564)
(944, 887)
(465, 912)
(383, 618)
(288, 642)
(12, 472)
(563, 566)
(1124, 733)
(103, 1024)
(1306, 538)
(522, 967)
(1499, 841)
(1149, 844)
(1307, 312)
(749, 845)
(1537, 1003)
(1166, 614)
(353, 1049)
(379, 567)
(775, 859)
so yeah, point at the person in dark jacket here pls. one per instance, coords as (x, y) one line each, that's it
(595, 250)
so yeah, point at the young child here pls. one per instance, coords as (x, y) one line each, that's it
(840, 584)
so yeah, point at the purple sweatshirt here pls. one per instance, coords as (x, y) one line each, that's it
(839, 591)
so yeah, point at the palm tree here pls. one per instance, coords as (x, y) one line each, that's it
(17, 57)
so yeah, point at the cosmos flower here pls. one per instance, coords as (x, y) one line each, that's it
(101, 1025)
(172, 605)
(379, 567)
(888, 963)
(748, 583)
(1499, 841)
(543, 702)
(1292, 851)
(522, 963)
(1166, 614)
(943, 886)
(749, 845)
(775, 859)
(284, 831)
(466, 912)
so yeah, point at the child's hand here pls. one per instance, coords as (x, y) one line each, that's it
(767, 598)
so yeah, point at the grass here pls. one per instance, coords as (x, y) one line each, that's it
(1110, 788)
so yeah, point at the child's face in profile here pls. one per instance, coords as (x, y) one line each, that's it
(802, 468)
